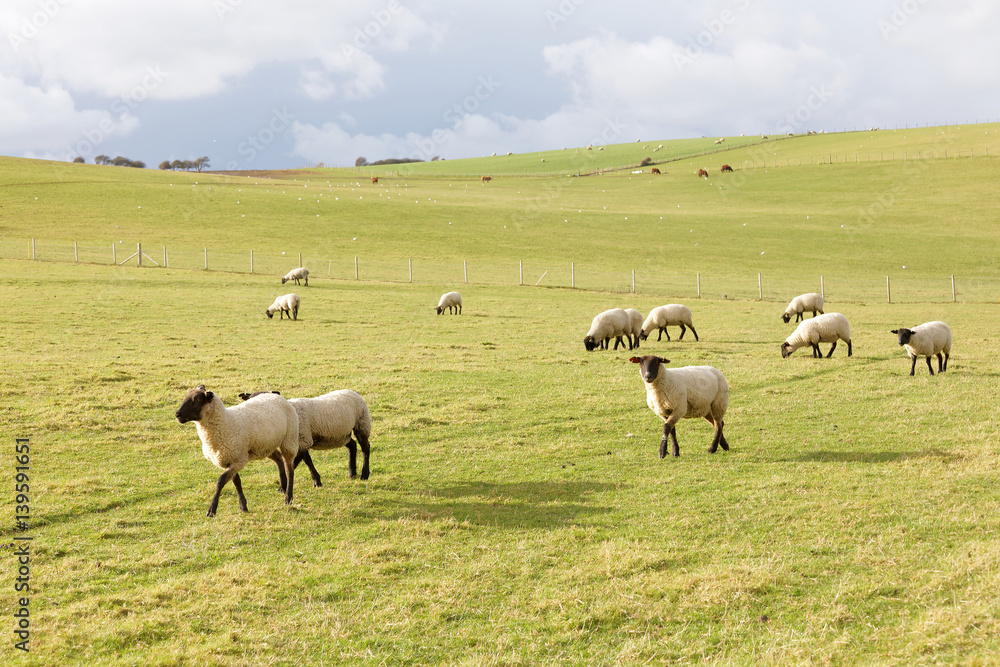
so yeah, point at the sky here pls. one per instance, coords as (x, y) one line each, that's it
(254, 85)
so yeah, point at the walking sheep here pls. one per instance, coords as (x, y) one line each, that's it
(927, 340)
(327, 422)
(265, 426)
(828, 328)
(671, 315)
(801, 304)
(684, 393)
(450, 300)
(298, 274)
(288, 303)
(614, 322)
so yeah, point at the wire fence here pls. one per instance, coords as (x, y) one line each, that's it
(680, 284)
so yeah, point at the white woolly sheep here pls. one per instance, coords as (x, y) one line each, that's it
(800, 304)
(671, 315)
(614, 322)
(828, 328)
(287, 303)
(684, 393)
(927, 340)
(298, 274)
(636, 319)
(327, 422)
(452, 301)
(265, 426)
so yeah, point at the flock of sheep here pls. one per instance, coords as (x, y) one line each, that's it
(702, 391)
(266, 425)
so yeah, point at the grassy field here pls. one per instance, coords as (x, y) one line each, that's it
(517, 512)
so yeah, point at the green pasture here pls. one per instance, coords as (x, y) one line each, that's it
(517, 511)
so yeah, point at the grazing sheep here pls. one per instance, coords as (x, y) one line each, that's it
(452, 301)
(828, 328)
(927, 340)
(671, 315)
(327, 422)
(726, 169)
(614, 322)
(684, 393)
(800, 304)
(287, 303)
(265, 426)
(298, 274)
(702, 172)
(636, 320)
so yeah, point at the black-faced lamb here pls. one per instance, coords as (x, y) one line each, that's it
(684, 393)
(287, 303)
(801, 304)
(927, 340)
(611, 323)
(670, 315)
(298, 274)
(452, 301)
(266, 426)
(828, 328)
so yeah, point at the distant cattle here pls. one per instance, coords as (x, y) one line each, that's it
(374, 179)
(702, 172)
(487, 178)
(655, 171)
(726, 168)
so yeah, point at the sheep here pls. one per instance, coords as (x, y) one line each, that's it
(800, 304)
(287, 303)
(670, 315)
(327, 422)
(828, 328)
(684, 393)
(928, 340)
(452, 301)
(636, 319)
(301, 273)
(265, 426)
(614, 322)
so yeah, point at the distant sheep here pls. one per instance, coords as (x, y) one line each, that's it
(671, 315)
(611, 323)
(802, 303)
(702, 173)
(927, 340)
(828, 328)
(287, 303)
(719, 141)
(635, 330)
(452, 301)
(265, 426)
(298, 274)
(684, 393)
(726, 169)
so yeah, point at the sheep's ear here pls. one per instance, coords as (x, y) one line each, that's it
(895, 331)
(664, 360)
(200, 387)
(636, 360)
(209, 395)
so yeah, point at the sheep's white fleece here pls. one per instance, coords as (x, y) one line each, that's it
(230, 437)
(328, 421)
(636, 319)
(287, 303)
(812, 301)
(827, 328)
(611, 323)
(929, 339)
(296, 275)
(690, 391)
(672, 315)
(450, 299)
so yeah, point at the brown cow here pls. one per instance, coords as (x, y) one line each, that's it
(374, 180)
(655, 171)
(702, 172)
(487, 178)
(726, 168)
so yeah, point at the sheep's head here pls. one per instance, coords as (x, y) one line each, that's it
(284, 280)
(269, 313)
(649, 366)
(591, 343)
(785, 318)
(194, 403)
(439, 309)
(643, 335)
(786, 350)
(904, 335)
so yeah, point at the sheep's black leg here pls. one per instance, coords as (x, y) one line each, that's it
(683, 331)
(295, 313)
(722, 437)
(940, 362)
(673, 438)
(223, 480)
(659, 334)
(352, 458)
(816, 352)
(665, 441)
(282, 480)
(666, 332)
(303, 455)
(946, 355)
(929, 365)
(850, 348)
(290, 473)
(238, 483)
(693, 331)
(832, 348)
(913, 365)
(365, 451)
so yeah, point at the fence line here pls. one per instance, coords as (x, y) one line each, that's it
(570, 274)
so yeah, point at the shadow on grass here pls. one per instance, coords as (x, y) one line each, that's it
(871, 457)
(513, 505)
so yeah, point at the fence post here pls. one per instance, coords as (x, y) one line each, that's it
(251, 260)
(572, 274)
(114, 253)
(410, 262)
(164, 256)
(76, 253)
(888, 291)
(953, 297)
(520, 272)
(822, 288)
(138, 254)
(633, 281)
(206, 259)
(356, 273)
(300, 260)
(699, 284)
(32, 248)
(465, 267)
